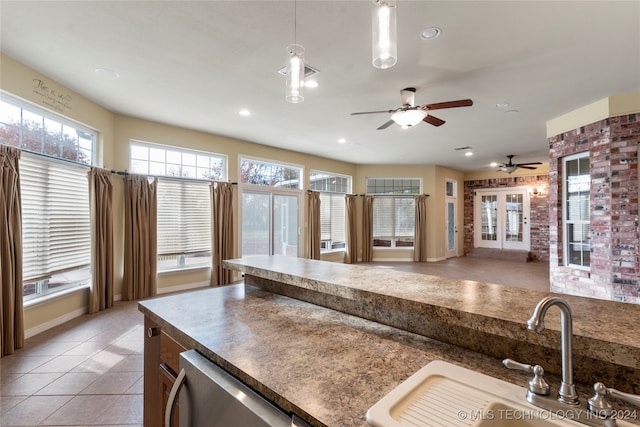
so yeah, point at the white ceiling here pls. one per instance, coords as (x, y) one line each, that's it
(196, 64)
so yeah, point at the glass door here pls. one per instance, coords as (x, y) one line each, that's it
(269, 224)
(451, 228)
(502, 219)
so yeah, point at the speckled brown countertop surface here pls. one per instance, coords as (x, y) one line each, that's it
(603, 330)
(327, 367)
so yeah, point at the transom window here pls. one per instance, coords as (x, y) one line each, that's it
(332, 188)
(576, 210)
(393, 210)
(40, 131)
(161, 160)
(270, 174)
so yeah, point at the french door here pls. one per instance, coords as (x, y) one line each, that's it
(451, 228)
(501, 219)
(269, 223)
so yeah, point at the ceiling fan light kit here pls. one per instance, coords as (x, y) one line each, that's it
(385, 45)
(408, 117)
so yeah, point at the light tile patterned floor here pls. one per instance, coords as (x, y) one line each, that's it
(86, 372)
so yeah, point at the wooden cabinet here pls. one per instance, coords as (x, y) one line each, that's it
(161, 365)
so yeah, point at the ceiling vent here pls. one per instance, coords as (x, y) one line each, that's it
(308, 71)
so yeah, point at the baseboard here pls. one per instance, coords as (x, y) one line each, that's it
(436, 259)
(55, 322)
(185, 287)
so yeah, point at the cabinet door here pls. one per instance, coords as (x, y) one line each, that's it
(167, 378)
(152, 397)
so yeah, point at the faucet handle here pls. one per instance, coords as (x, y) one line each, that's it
(599, 405)
(537, 384)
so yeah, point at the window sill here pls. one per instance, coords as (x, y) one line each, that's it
(53, 296)
(184, 269)
(333, 251)
(397, 248)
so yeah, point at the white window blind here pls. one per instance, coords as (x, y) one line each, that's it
(55, 217)
(332, 217)
(184, 222)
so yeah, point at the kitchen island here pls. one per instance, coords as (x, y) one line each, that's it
(324, 365)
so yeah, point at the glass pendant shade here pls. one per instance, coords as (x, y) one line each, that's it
(408, 117)
(295, 74)
(385, 47)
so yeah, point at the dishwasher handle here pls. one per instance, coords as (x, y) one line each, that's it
(171, 403)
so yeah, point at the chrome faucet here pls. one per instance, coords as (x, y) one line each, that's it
(567, 393)
(597, 412)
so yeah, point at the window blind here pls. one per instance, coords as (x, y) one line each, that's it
(184, 217)
(55, 217)
(332, 217)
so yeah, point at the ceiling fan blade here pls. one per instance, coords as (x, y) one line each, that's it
(373, 112)
(526, 167)
(433, 120)
(386, 125)
(530, 163)
(449, 104)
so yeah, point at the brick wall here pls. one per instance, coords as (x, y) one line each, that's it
(614, 271)
(539, 214)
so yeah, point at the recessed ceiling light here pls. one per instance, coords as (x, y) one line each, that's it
(244, 112)
(503, 104)
(342, 141)
(493, 164)
(310, 84)
(430, 33)
(106, 73)
(468, 153)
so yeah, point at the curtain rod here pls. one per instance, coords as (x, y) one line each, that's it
(125, 173)
(391, 195)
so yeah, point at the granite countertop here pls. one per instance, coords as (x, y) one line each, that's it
(327, 367)
(603, 330)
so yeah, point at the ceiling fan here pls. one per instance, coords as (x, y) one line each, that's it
(410, 114)
(510, 167)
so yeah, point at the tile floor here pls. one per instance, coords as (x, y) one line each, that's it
(88, 371)
(85, 372)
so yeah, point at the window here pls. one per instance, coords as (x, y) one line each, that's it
(270, 174)
(184, 201)
(160, 160)
(56, 233)
(393, 210)
(576, 207)
(184, 224)
(39, 131)
(56, 227)
(332, 189)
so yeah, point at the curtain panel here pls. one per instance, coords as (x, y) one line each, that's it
(313, 219)
(221, 231)
(367, 229)
(140, 239)
(11, 310)
(101, 206)
(351, 254)
(420, 234)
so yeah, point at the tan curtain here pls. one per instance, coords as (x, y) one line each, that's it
(367, 229)
(420, 236)
(221, 231)
(11, 311)
(140, 244)
(101, 205)
(351, 254)
(313, 219)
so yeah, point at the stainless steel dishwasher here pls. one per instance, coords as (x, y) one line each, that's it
(211, 397)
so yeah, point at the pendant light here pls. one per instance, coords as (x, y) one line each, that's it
(385, 48)
(295, 66)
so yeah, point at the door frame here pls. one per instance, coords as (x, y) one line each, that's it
(500, 242)
(272, 192)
